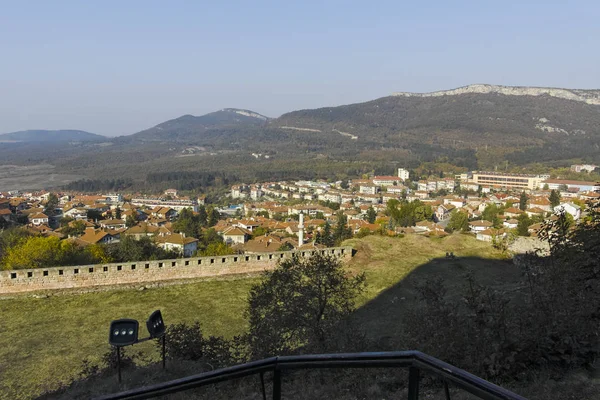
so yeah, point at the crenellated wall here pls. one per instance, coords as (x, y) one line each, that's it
(80, 276)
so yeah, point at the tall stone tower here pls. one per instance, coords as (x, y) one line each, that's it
(301, 230)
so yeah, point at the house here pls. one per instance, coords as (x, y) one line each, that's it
(77, 213)
(385, 180)
(510, 224)
(180, 243)
(141, 230)
(479, 226)
(427, 227)
(570, 208)
(164, 212)
(368, 189)
(455, 201)
(265, 243)
(236, 235)
(535, 211)
(534, 229)
(98, 236)
(443, 211)
(512, 212)
(38, 218)
(171, 192)
(396, 189)
(540, 202)
(113, 224)
(488, 235)
(5, 214)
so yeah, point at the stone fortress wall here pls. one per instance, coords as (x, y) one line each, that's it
(81, 276)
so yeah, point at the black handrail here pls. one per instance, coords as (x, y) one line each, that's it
(414, 360)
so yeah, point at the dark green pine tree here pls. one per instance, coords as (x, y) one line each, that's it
(554, 198)
(523, 201)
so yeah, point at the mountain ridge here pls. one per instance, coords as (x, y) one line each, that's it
(589, 96)
(188, 125)
(45, 135)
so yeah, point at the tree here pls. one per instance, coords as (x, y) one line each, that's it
(554, 198)
(202, 216)
(299, 305)
(215, 249)
(371, 215)
(326, 236)
(93, 215)
(130, 221)
(51, 204)
(287, 246)
(459, 221)
(523, 225)
(40, 251)
(490, 213)
(344, 184)
(523, 201)
(118, 213)
(76, 228)
(213, 217)
(187, 223)
(342, 231)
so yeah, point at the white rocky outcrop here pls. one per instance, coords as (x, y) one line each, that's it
(585, 96)
(246, 113)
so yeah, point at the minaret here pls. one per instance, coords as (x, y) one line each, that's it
(301, 230)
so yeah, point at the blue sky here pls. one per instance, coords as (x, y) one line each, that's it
(117, 67)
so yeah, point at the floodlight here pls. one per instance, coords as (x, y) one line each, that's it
(155, 325)
(123, 332)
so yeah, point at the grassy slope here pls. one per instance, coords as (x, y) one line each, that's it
(34, 357)
(43, 341)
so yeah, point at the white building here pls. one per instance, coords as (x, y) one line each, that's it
(403, 174)
(39, 219)
(368, 189)
(583, 167)
(569, 208)
(178, 242)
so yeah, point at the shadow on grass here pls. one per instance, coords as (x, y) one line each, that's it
(381, 318)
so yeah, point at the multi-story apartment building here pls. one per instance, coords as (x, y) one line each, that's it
(403, 174)
(504, 180)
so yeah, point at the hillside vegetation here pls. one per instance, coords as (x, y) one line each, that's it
(38, 358)
(468, 130)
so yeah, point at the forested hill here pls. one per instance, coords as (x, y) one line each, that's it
(50, 136)
(537, 126)
(191, 127)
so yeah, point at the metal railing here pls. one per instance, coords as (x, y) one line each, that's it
(415, 361)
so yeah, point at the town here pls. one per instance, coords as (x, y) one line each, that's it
(276, 216)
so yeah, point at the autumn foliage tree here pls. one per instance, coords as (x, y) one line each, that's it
(299, 304)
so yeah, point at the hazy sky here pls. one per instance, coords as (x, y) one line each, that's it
(117, 67)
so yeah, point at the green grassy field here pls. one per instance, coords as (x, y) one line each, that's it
(43, 341)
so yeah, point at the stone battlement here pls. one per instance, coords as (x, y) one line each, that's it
(133, 272)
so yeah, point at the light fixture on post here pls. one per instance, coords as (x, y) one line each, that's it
(124, 332)
(156, 328)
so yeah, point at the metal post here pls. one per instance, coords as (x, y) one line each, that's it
(262, 384)
(446, 390)
(163, 351)
(413, 383)
(119, 362)
(277, 384)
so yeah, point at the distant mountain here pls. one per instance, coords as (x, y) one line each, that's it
(39, 135)
(521, 124)
(190, 126)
